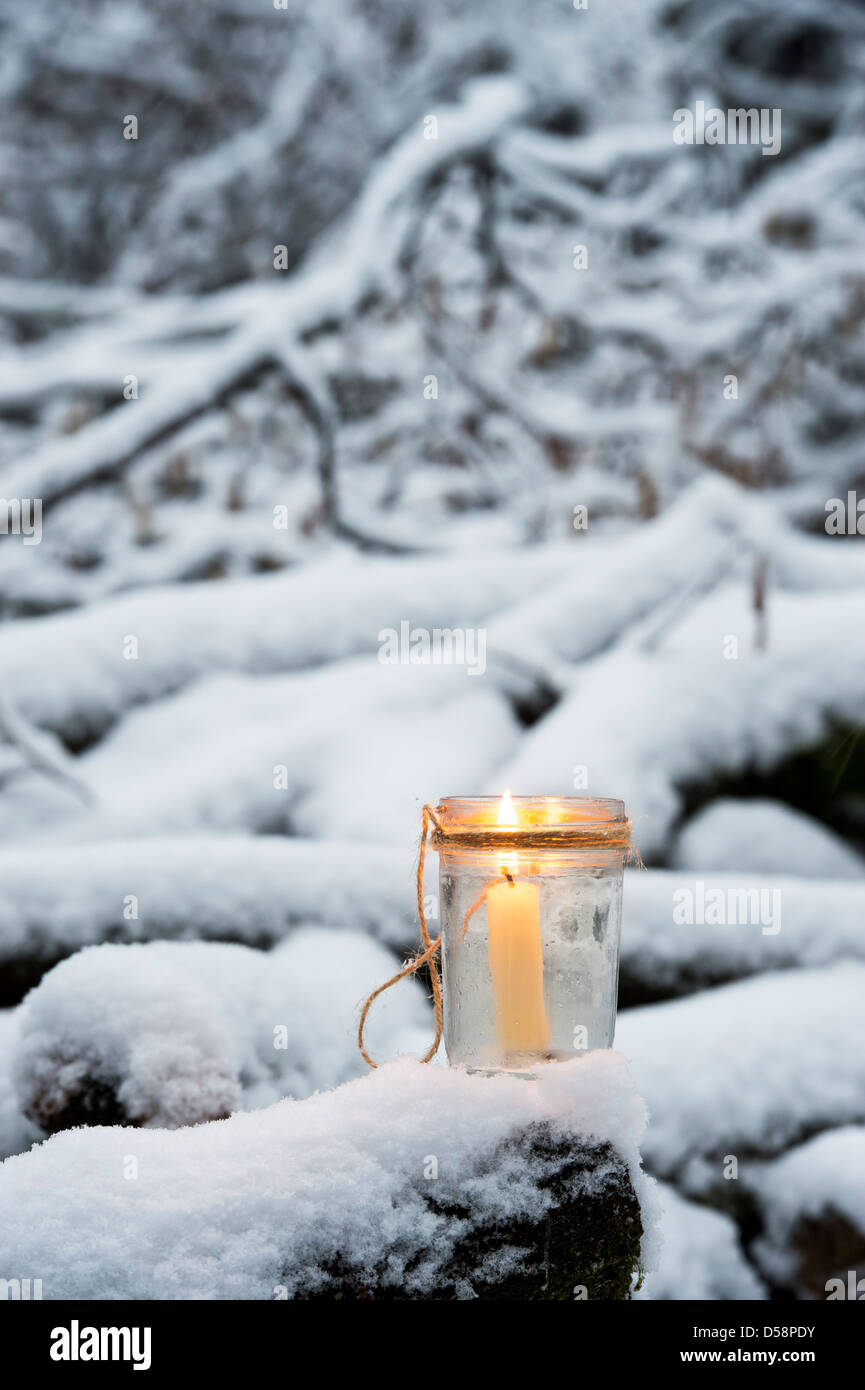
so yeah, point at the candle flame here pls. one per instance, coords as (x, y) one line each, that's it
(507, 812)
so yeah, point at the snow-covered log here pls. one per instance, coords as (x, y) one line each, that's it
(296, 755)
(811, 1208)
(412, 1183)
(712, 702)
(615, 582)
(684, 931)
(257, 889)
(274, 623)
(761, 836)
(205, 887)
(768, 1061)
(173, 1033)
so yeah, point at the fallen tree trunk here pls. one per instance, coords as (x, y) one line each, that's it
(256, 889)
(585, 1245)
(415, 1182)
(810, 1207)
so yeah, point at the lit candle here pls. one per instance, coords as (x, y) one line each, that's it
(516, 955)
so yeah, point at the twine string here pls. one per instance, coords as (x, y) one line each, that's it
(571, 835)
(481, 898)
(427, 956)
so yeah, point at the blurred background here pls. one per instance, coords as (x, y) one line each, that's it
(313, 325)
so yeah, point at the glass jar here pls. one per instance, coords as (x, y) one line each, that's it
(530, 903)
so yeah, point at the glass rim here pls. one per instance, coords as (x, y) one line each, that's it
(539, 823)
(469, 812)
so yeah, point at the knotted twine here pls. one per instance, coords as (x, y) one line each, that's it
(586, 834)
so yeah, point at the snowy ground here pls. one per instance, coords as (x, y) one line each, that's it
(210, 782)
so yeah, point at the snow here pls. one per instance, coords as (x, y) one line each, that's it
(764, 837)
(16, 1132)
(256, 889)
(701, 1258)
(618, 579)
(253, 776)
(355, 261)
(180, 1032)
(716, 712)
(748, 1068)
(245, 1207)
(302, 756)
(222, 887)
(615, 582)
(820, 1181)
(270, 623)
(701, 714)
(797, 922)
